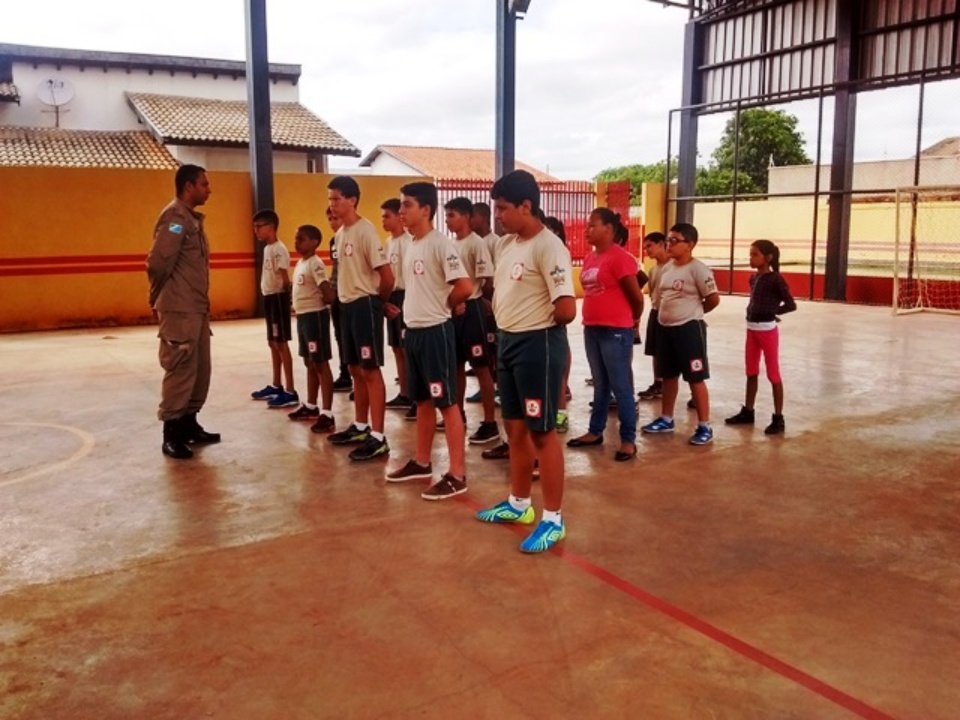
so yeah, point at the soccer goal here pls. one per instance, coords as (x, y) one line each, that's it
(926, 267)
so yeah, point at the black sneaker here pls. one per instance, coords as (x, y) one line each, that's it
(411, 414)
(487, 432)
(370, 449)
(400, 402)
(304, 413)
(744, 417)
(351, 436)
(500, 452)
(691, 404)
(351, 396)
(342, 383)
(411, 471)
(777, 426)
(447, 487)
(324, 424)
(654, 392)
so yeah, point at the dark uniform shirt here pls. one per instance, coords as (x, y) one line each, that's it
(769, 296)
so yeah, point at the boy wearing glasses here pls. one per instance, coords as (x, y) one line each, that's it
(275, 286)
(685, 293)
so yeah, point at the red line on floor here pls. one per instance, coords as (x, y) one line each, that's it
(735, 644)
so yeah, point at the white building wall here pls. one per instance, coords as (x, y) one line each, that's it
(236, 159)
(869, 175)
(99, 102)
(388, 165)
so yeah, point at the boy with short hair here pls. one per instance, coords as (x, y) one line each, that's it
(364, 283)
(469, 319)
(436, 282)
(655, 248)
(533, 303)
(275, 287)
(685, 293)
(312, 295)
(343, 381)
(396, 246)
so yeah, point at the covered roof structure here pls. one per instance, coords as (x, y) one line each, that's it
(176, 120)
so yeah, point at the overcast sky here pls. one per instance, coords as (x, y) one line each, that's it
(595, 78)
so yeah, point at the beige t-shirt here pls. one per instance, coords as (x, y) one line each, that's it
(396, 246)
(275, 258)
(681, 292)
(653, 284)
(492, 240)
(308, 276)
(530, 276)
(430, 264)
(477, 261)
(360, 253)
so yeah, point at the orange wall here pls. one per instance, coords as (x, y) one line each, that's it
(73, 240)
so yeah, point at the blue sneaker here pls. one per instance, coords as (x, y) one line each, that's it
(284, 399)
(504, 512)
(660, 425)
(544, 537)
(267, 393)
(703, 435)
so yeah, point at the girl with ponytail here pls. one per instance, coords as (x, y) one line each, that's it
(769, 298)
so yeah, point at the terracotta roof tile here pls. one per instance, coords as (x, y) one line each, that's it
(199, 121)
(82, 148)
(8, 92)
(948, 147)
(459, 163)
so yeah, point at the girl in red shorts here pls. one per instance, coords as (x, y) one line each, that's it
(769, 298)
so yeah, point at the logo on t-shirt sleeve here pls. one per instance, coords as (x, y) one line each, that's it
(453, 261)
(559, 276)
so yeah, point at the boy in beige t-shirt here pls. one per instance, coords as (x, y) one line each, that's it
(533, 302)
(470, 318)
(275, 287)
(364, 283)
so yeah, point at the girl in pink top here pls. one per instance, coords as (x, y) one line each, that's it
(612, 303)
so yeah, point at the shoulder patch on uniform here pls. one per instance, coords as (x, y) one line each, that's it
(175, 228)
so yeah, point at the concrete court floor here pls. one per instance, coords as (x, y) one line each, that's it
(811, 576)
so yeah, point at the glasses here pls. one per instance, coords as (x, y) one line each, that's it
(675, 240)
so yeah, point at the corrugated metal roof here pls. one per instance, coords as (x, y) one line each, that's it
(52, 147)
(177, 120)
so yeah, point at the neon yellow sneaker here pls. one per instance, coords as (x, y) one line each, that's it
(504, 512)
(563, 421)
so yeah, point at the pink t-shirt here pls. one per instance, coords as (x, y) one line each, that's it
(603, 300)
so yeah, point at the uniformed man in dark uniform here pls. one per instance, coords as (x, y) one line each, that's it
(178, 268)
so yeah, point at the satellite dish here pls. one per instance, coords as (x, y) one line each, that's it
(55, 91)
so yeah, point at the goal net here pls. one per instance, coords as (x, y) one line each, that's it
(926, 273)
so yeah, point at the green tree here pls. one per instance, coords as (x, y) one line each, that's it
(637, 175)
(766, 137)
(715, 180)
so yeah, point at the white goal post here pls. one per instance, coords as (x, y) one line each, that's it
(926, 264)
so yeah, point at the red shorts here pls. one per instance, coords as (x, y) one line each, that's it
(766, 343)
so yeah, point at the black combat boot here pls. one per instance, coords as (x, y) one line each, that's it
(194, 433)
(174, 442)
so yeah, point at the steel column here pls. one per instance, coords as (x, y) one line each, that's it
(258, 108)
(689, 120)
(506, 89)
(847, 72)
